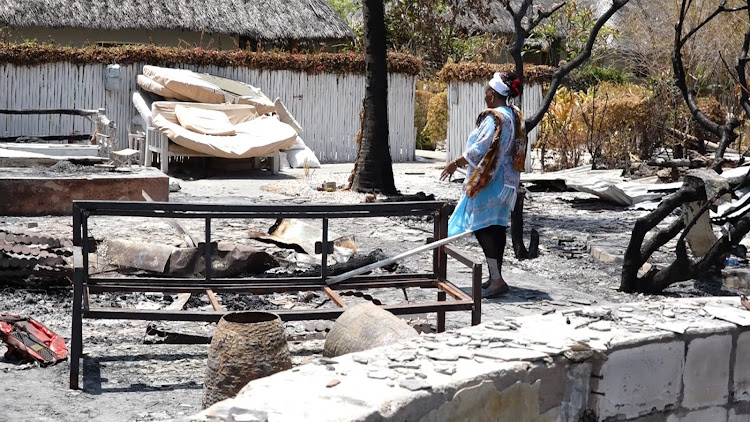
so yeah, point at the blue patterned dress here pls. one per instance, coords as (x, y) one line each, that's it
(493, 204)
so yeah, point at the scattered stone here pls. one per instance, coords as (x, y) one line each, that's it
(499, 327)
(420, 375)
(675, 327)
(412, 365)
(246, 415)
(327, 361)
(513, 324)
(334, 382)
(459, 341)
(443, 354)
(465, 354)
(379, 374)
(578, 355)
(174, 185)
(431, 346)
(445, 369)
(404, 356)
(492, 337)
(580, 301)
(414, 384)
(360, 359)
(601, 326)
(625, 309)
(668, 313)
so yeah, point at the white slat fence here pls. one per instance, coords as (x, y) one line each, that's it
(326, 105)
(466, 101)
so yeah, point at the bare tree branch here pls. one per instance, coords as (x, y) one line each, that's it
(521, 34)
(740, 68)
(542, 15)
(725, 131)
(719, 10)
(563, 71)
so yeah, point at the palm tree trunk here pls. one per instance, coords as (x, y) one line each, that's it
(373, 170)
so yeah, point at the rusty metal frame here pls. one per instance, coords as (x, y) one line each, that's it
(85, 284)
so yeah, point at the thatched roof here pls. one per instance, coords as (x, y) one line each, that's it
(499, 20)
(257, 19)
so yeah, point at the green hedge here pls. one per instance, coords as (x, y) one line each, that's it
(31, 54)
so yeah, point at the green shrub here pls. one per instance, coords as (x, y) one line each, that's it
(421, 106)
(437, 118)
(590, 76)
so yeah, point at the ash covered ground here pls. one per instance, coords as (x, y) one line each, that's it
(129, 376)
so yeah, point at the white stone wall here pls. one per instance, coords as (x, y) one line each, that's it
(666, 361)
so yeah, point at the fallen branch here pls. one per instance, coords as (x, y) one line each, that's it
(678, 162)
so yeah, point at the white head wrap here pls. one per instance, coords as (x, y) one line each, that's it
(499, 86)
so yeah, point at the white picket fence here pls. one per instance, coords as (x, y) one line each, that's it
(466, 101)
(326, 105)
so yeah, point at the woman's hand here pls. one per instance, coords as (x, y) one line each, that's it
(448, 171)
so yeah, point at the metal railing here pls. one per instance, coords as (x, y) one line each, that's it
(86, 284)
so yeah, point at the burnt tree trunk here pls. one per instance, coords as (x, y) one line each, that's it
(683, 267)
(516, 231)
(373, 170)
(693, 189)
(525, 18)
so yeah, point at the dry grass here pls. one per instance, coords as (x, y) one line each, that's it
(478, 71)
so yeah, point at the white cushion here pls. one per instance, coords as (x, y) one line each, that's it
(207, 122)
(286, 117)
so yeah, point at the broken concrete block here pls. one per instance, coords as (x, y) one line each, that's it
(741, 384)
(705, 415)
(639, 379)
(706, 375)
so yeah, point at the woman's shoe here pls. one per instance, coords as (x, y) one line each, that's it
(497, 291)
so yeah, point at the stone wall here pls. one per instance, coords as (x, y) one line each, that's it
(660, 360)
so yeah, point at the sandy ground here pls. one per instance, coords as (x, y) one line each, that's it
(127, 380)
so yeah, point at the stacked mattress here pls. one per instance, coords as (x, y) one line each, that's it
(222, 117)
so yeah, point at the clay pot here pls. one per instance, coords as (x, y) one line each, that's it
(364, 327)
(246, 346)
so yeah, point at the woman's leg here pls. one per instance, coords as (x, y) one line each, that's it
(492, 241)
(487, 240)
(500, 238)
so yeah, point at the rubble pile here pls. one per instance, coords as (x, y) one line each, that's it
(23, 254)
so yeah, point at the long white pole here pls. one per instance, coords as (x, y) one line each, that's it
(423, 248)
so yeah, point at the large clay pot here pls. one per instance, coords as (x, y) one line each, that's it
(364, 327)
(246, 346)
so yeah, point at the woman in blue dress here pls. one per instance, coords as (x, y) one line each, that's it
(489, 190)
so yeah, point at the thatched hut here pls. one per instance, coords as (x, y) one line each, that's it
(219, 24)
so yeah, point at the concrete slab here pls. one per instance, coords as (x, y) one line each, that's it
(68, 150)
(34, 192)
(706, 372)
(13, 158)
